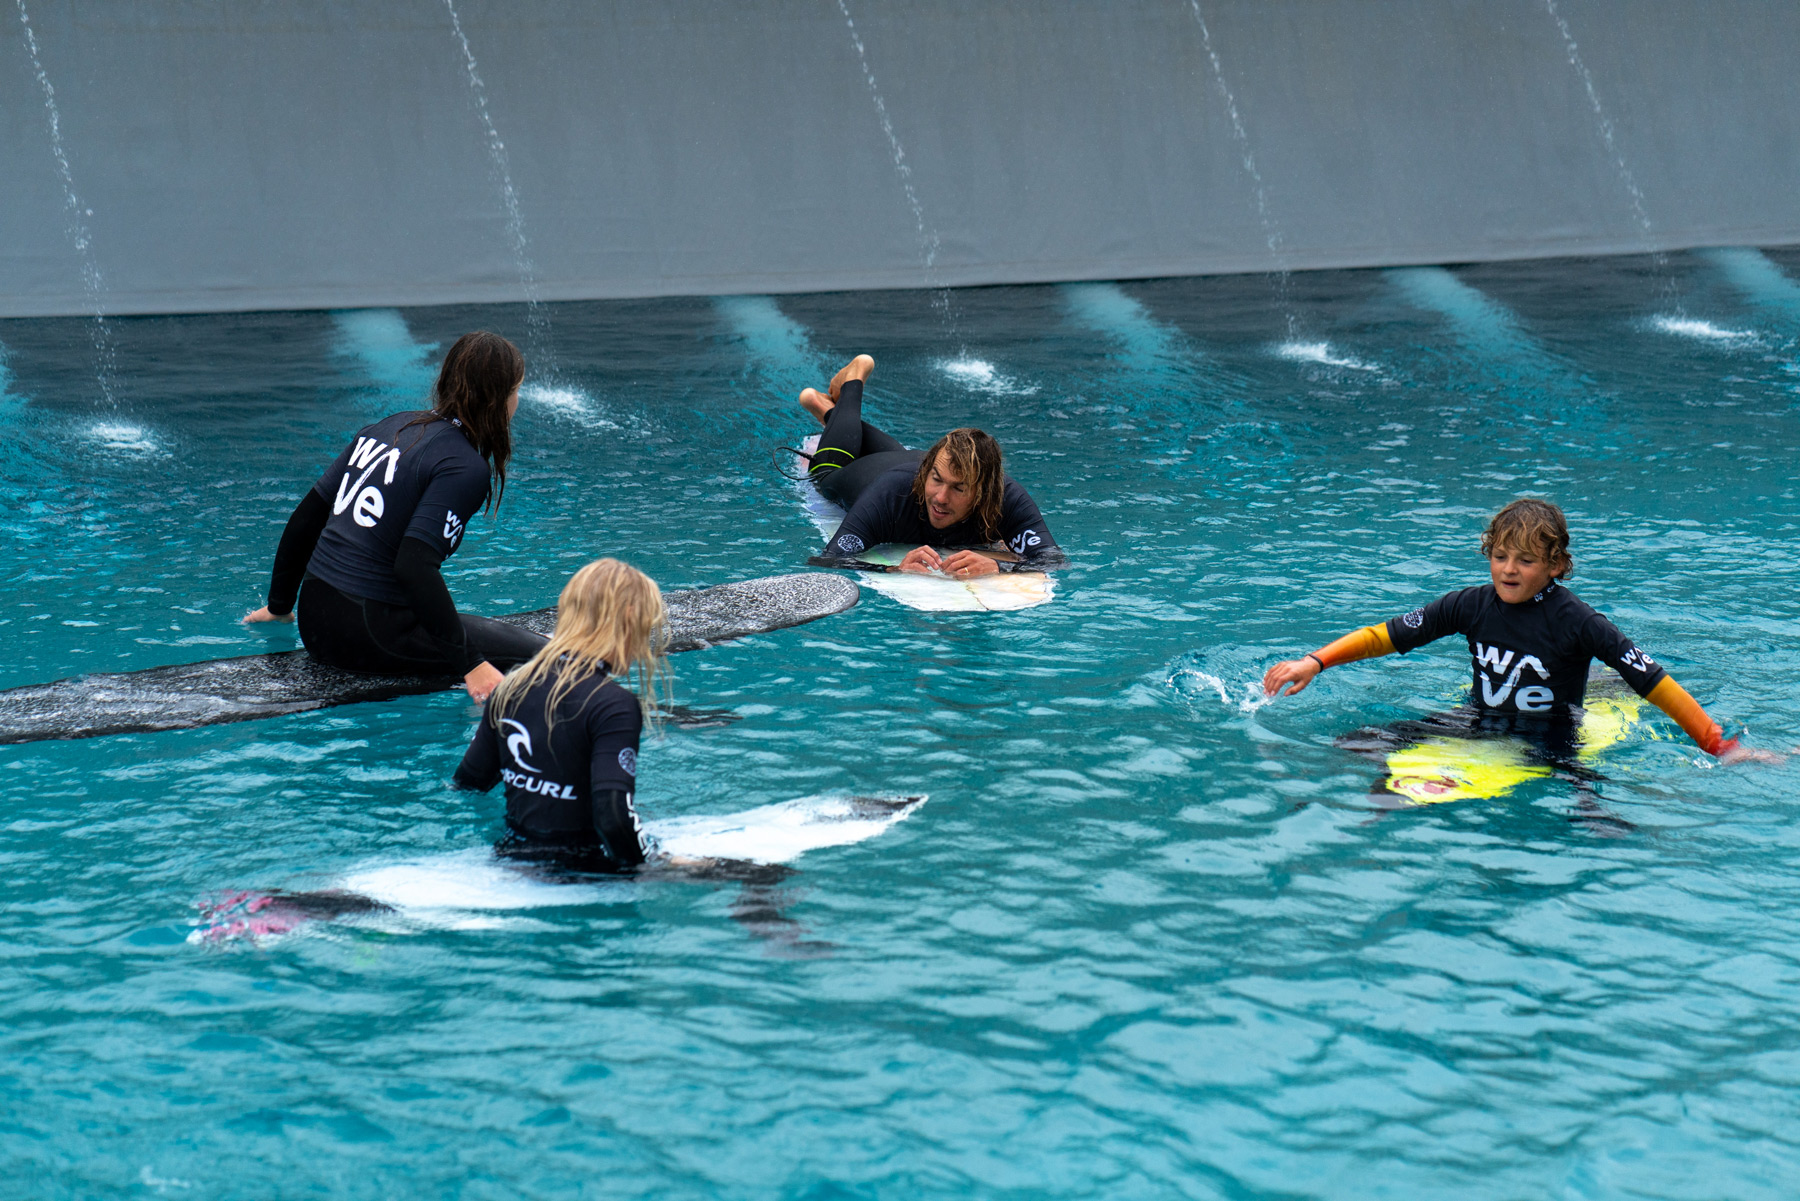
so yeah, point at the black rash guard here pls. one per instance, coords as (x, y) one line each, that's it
(368, 542)
(569, 785)
(395, 481)
(1530, 658)
(887, 512)
(869, 474)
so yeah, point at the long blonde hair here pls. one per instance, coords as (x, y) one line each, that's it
(610, 618)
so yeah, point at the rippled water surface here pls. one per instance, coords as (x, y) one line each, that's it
(1147, 938)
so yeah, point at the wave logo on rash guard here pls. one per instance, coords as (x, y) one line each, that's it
(453, 528)
(1025, 541)
(1533, 698)
(1637, 660)
(850, 544)
(520, 738)
(366, 505)
(628, 761)
(1413, 620)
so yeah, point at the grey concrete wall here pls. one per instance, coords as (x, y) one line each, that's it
(242, 154)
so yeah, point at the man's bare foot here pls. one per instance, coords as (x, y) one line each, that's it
(816, 403)
(860, 367)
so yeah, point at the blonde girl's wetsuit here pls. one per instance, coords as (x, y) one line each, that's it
(569, 783)
(870, 475)
(1530, 660)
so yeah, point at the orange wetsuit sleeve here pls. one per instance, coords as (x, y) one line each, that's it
(1365, 643)
(1674, 700)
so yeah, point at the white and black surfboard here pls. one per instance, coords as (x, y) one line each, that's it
(252, 686)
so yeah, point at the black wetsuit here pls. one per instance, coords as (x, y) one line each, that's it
(363, 551)
(568, 786)
(870, 475)
(1529, 659)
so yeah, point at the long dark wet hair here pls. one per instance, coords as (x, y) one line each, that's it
(477, 379)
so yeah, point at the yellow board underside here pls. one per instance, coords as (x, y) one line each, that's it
(1445, 768)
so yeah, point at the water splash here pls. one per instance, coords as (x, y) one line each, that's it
(537, 320)
(928, 238)
(1321, 354)
(105, 361)
(1271, 230)
(1192, 684)
(133, 440)
(979, 375)
(566, 401)
(1705, 331)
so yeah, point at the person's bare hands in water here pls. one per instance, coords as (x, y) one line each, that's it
(263, 614)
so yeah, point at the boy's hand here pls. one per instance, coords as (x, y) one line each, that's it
(1294, 675)
(1734, 752)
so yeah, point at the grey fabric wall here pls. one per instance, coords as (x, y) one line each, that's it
(240, 154)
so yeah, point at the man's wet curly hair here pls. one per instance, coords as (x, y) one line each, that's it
(1534, 526)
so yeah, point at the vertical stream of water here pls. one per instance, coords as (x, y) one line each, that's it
(537, 321)
(93, 283)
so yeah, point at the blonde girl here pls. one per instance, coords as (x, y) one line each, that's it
(562, 733)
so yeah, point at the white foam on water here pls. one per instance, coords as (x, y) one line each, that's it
(568, 401)
(979, 375)
(124, 436)
(1706, 331)
(1320, 353)
(1193, 683)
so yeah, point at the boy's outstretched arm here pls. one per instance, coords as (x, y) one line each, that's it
(1674, 700)
(1295, 674)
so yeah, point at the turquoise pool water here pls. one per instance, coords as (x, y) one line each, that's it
(1147, 938)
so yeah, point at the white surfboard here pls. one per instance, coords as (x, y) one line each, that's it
(475, 889)
(934, 592)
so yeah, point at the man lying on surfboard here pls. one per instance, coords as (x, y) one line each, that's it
(954, 495)
(1530, 639)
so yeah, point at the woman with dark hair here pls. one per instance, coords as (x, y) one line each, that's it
(363, 549)
(956, 494)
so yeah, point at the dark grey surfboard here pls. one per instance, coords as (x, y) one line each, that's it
(253, 686)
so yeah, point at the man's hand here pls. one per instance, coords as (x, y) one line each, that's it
(1295, 672)
(922, 560)
(482, 681)
(967, 564)
(263, 614)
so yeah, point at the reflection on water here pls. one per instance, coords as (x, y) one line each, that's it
(1149, 937)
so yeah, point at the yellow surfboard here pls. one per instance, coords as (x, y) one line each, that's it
(1447, 768)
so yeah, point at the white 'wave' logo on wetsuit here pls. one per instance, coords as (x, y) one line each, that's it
(514, 741)
(850, 544)
(366, 505)
(1533, 698)
(453, 528)
(1027, 539)
(1637, 660)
